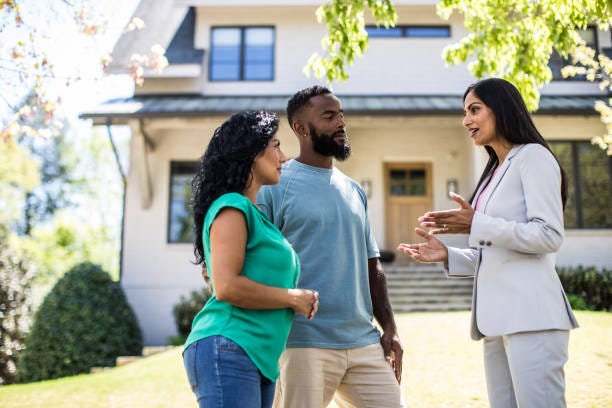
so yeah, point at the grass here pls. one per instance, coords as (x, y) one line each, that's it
(442, 369)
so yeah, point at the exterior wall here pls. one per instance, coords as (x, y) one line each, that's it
(389, 66)
(155, 273)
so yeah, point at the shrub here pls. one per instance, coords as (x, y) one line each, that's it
(592, 286)
(84, 321)
(15, 308)
(184, 312)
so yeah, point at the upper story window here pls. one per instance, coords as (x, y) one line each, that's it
(180, 215)
(556, 62)
(589, 173)
(242, 54)
(409, 31)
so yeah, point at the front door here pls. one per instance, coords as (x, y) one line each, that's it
(408, 195)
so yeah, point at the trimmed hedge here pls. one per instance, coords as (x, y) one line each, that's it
(587, 288)
(184, 312)
(84, 322)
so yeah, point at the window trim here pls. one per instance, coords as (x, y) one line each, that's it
(175, 168)
(578, 186)
(404, 28)
(242, 29)
(565, 62)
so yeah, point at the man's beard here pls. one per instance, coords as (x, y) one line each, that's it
(325, 144)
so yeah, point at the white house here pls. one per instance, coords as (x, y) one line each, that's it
(403, 108)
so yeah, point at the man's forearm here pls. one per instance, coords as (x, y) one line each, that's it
(380, 296)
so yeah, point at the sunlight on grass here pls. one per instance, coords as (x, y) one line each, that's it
(442, 369)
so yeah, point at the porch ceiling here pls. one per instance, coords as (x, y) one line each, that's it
(173, 106)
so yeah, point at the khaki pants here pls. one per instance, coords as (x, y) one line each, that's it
(360, 377)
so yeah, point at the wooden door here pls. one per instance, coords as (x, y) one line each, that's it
(408, 194)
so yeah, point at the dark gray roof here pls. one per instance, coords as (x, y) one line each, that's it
(181, 49)
(158, 106)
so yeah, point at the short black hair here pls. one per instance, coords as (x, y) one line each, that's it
(302, 98)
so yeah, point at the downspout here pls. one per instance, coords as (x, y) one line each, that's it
(124, 183)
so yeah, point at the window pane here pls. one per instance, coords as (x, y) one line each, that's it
(563, 151)
(226, 55)
(225, 37)
(259, 36)
(397, 181)
(428, 32)
(258, 72)
(596, 186)
(556, 62)
(258, 54)
(181, 217)
(588, 36)
(224, 72)
(417, 183)
(383, 32)
(259, 63)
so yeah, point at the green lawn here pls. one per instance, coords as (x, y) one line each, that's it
(442, 368)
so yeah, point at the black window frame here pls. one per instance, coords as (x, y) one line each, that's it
(178, 167)
(576, 175)
(556, 58)
(243, 29)
(406, 27)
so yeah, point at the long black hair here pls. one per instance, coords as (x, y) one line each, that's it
(226, 165)
(512, 121)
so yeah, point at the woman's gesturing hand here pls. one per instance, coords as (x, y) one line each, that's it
(456, 221)
(305, 302)
(433, 250)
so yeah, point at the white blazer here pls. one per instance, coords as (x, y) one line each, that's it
(514, 238)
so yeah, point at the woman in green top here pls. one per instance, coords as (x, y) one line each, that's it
(231, 355)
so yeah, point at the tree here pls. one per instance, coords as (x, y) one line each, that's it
(596, 68)
(18, 175)
(514, 39)
(16, 305)
(29, 57)
(511, 39)
(346, 35)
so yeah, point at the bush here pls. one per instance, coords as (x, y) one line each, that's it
(15, 308)
(84, 321)
(593, 287)
(184, 312)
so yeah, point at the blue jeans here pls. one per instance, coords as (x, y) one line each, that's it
(222, 375)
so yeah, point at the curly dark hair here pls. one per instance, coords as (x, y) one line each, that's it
(302, 98)
(226, 165)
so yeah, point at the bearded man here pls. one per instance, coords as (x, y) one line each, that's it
(323, 213)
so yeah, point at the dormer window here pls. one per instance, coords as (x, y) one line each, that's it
(242, 54)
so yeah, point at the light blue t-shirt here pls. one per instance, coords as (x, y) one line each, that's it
(323, 214)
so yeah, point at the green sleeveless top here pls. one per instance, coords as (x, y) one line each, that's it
(269, 260)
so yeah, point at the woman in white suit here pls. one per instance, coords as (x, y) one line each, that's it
(515, 224)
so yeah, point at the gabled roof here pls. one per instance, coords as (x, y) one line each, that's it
(162, 19)
(181, 49)
(170, 106)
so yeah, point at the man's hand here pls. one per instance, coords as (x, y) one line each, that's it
(394, 352)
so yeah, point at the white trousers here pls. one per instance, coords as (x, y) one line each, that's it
(525, 370)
